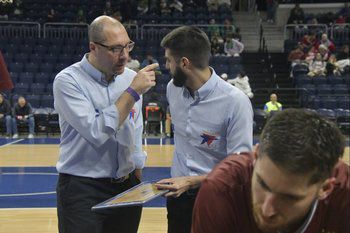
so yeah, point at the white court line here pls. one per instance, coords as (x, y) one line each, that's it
(27, 194)
(10, 143)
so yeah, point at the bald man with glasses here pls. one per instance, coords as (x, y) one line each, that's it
(99, 102)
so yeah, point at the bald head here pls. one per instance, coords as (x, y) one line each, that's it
(98, 26)
(273, 97)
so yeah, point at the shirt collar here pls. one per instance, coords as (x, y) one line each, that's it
(93, 72)
(204, 90)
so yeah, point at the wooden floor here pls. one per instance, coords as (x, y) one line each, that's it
(44, 220)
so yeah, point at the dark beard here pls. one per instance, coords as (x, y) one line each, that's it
(179, 77)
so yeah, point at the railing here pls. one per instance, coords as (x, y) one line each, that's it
(66, 30)
(340, 31)
(158, 31)
(297, 31)
(19, 29)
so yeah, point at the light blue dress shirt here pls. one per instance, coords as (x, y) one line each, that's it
(92, 145)
(216, 122)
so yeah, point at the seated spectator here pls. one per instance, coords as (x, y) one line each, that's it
(149, 60)
(233, 47)
(176, 6)
(228, 28)
(344, 11)
(327, 43)
(237, 35)
(154, 104)
(296, 15)
(272, 106)
(212, 5)
(118, 16)
(242, 83)
(23, 113)
(5, 10)
(133, 64)
(217, 45)
(317, 66)
(332, 66)
(5, 114)
(164, 8)
(213, 28)
(298, 186)
(81, 16)
(52, 16)
(108, 10)
(344, 53)
(18, 8)
(296, 56)
(340, 20)
(309, 41)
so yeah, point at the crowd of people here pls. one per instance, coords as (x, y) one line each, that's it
(20, 114)
(320, 56)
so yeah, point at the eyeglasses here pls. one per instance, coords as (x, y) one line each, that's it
(117, 49)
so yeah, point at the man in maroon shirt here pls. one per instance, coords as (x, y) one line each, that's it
(294, 182)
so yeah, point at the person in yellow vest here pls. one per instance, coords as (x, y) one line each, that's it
(272, 105)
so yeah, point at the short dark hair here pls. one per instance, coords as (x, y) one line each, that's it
(302, 142)
(190, 42)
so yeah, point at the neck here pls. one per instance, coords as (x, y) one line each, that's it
(197, 79)
(93, 61)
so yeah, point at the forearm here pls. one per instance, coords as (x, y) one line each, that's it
(124, 104)
(196, 181)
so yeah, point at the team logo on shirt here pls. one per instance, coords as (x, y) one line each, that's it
(208, 138)
(132, 114)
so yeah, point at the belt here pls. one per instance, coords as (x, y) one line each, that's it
(107, 180)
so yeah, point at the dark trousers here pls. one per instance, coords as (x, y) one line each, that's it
(180, 212)
(75, 197)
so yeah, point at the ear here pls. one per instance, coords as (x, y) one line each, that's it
(185, 63)
(92, 46)
(327, 188)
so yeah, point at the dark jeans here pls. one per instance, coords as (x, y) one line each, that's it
(180, 212)
(75, 197)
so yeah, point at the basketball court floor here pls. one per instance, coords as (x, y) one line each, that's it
(28, 179)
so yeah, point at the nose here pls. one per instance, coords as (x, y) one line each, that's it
(268, 208)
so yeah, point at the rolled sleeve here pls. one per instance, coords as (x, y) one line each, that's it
(111, 118)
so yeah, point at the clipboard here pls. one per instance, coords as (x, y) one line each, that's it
(137, 195)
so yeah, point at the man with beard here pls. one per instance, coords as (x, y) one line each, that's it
(99, 106)
(211, 120)
(294, 182)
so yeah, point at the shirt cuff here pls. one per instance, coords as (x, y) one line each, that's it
(111, 117)
(140, 159)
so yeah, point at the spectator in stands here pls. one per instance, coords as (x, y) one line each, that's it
(108, 10)
(22, 113)
(228, 28)
(309, 41)
(18, 8)
(149, 60)
(296, 56)
(81, 16)
(344, 53)
(327, 43)
(212, 5)
(176, 6)
(164, 8)
(340, 20)
(5, 114)
(128, 10)
(217, 45)
(52, 16)
(5, 10)
(271, 7)
(154, 102)
(242, 83)
(302, 186)
(317, 66)
(272, 106)
(213, 28)
(133, 64)
(118, 16)
(296, 15)
(332, 66)
(345, 11)
(233, 47)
